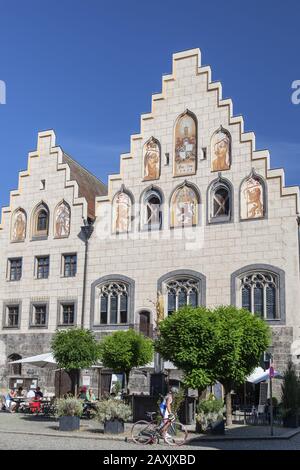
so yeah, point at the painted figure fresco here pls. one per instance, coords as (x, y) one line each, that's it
(221, 150)
(252, 198)
(19, 226)
(184, 208)
(185, 146)
(151, 158)
(62, 221)
(122, 213)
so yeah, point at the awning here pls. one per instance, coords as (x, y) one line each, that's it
(260, 375)
(41, 360)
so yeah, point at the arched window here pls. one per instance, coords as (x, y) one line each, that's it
(181, 292)
(144, 323)
(253, 197)
(220, 201)
(260, 288)
(41, 221)
(18, 226)
(14, 369)
(113, 303)
(62, 219)
(185, 148)
(259, 294)
(152, 210)
(184, 207)
(122, 212)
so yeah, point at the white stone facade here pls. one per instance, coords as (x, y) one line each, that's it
(213, 251)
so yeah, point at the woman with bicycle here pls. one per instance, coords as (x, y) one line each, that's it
(165, 409)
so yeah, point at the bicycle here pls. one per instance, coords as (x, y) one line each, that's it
(150, 432)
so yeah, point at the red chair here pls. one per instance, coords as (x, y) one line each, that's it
(35, 407)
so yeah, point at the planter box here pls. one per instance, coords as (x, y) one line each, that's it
(114, 427)
(290, 421)
(69, 423)
(217, 428)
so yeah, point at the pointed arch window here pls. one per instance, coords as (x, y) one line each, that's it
(114, 303)
(220, 201)
(41, 221)
(253, 197)
(152, 210)
(181, 292)
(260, 294)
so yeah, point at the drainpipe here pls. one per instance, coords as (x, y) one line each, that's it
(86, 233)
(298, 222)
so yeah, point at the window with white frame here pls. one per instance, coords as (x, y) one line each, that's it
(220, 201)
(152, 210)
(181, 292)
(113, 303)
(259, 293)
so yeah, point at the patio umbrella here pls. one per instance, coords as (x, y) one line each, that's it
(41, 360)
(260, 375)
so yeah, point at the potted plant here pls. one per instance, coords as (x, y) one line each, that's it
(69, 411)
(290, 397)
(113, 414)
(210, 416)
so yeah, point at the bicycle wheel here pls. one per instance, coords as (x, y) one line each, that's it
(176, 434)
(143, 432)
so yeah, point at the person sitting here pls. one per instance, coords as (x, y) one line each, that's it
(90, 396)
(30, 394)
(82, 394)
(38, 394)
(10, 405)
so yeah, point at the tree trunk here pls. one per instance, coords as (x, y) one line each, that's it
(74, 374)
(228, 405)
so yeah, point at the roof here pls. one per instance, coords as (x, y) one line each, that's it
(89, 186)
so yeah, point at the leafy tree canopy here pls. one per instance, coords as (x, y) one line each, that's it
(75, 348)
(124, 350)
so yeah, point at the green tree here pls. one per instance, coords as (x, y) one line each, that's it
(224, 344)
(290, 391)
(242, 338)
(124, 350)
(73, 350)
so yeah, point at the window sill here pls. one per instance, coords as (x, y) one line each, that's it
(11, 327)
(40, 327)
(39, 238)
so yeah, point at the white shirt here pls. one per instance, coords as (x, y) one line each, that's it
(30, 394)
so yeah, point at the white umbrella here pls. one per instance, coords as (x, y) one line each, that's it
(260, 375)
(41, 360)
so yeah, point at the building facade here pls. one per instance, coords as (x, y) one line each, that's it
(195, 216)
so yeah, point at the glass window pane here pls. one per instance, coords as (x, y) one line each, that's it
(193, 299)
(123, 309)
(171, 302)
(103, 310)
(246, 298)
(271, 302)
(258, 300)
(113, 309)
(182, 299)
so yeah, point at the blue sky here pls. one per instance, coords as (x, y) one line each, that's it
(87, 68)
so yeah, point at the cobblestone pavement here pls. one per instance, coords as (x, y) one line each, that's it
(20, 432)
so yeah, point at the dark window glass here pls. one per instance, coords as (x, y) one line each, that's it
(68, 314)
(13, 315)
(259, 300)
(153, 221)
(171, 302)
(193, 299)
(15, 269)
(70, 265)
(246, 298)
(271, 302)
(42, 221)
(40, 314)
(43, 267)
(145, 323)
(221, 203)
(103, 309)
(123, 308)
(182, 298)
(15, 369)
(113, 309)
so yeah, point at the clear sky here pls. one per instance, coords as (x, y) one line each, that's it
(87, 69)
